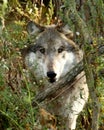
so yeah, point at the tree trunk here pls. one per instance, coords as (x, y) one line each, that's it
(88, 67)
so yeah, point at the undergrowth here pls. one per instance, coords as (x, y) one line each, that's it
(17, 89)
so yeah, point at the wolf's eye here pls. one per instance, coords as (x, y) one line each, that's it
(42, 50)
(61, 49)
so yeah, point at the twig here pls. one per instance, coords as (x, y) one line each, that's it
(65, 81)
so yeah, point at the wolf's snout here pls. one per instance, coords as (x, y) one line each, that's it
(51, 75)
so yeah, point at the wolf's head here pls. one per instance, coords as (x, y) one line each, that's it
(52, 55)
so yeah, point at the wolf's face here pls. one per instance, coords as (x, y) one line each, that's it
(52, 55)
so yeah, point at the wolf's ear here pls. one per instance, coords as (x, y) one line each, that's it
(34, 28)
(66, 31)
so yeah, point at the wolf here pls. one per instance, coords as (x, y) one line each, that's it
(50, 57)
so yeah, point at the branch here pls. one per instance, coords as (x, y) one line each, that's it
(64, 82)
(91, 81)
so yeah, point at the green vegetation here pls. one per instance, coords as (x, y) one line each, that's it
(17, 89)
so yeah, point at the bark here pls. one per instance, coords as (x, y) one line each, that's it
(64, 82)
(67, 80)
(88, 66)
(91, 81)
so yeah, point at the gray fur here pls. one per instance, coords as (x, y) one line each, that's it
(52, 51)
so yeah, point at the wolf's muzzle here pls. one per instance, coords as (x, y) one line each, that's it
(51, 75)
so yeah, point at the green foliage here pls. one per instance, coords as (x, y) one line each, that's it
(16, 88)
(16, 91)
(3, 8)
(50, 13)
(15, 101)
(87, 19)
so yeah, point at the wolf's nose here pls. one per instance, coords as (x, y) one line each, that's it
(51, 74)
